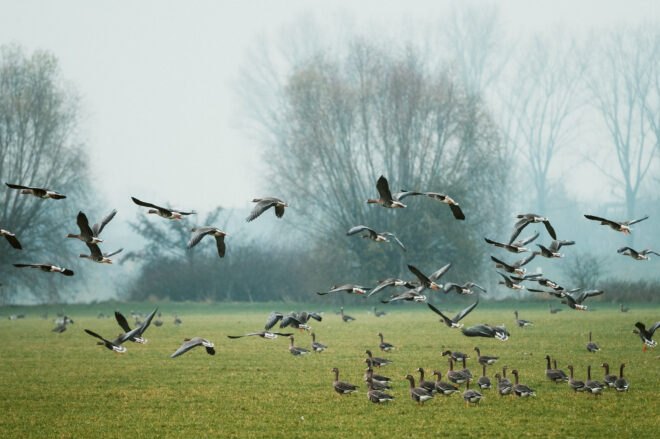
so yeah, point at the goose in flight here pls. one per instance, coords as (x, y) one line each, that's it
(200, 232)
(515, 247)
(516, 267)
(349, 288)
(49, 268)
(453, 205)
(91, 234)
(37, 191)
(553, 250)
(427, 282)
(137, 337)
(646, 334)
(391, 282)
(385, 197)
(413, 295)
(161, 211)
(466, 288)
(97, 256)
(639, 256)
(498, 332)
(510, 283)
(263, 334)
(529, 218)
(115, 345)
(263, 204)
(619, 226)
(11, 239)
(194, 342)
(576, 303)
(373, 235)
(454, 322)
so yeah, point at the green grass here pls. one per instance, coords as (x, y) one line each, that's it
(63, 385)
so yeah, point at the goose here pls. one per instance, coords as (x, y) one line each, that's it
(529, 218)
(498, 332)
(624, 308)
(296, 351)
(521, 390)
(646, 334)
(455, 355)
(510, 283)
(345, 317)
(390, 282)
(91, 234)
(384, 346)
(376, 361)
(465, 370)
(554, 310)
(639, 256)
(465, 289)
(455, 376)
(576, 385)
(454, 322)
(159, 322)
(471, 396)
(413, 295)
(561, 372)
(377, 385)
(419, 394)
(453, 205)
(369, 373)
(137, 338)
(200, 232)
(609, 378)
(263, 204)
(298, 321)
(11, 239)
(515, 247)
(341, 387)
(425, 281)
(263, 334)
(485, 359)
(553, 250)
(593, 387)
(375, 395)
(97, 256)
(483, 381)
(503, 387)
(385, 198)
(116, 344)
(62, 326)
(177, 320)
(194, 342)
(348, 288)
(505, 380)
(379, 313)
(161, 211)
(522, 323)
(516, 267)
(428, 385)
(621, 384)
(576, 303)
(555, 375)
(442, 387)
(619, 226)
(49, 268)
(378, 237)
(37, 191)
(592, 346)
(317, 346)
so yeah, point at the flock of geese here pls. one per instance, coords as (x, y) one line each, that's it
(416, 290)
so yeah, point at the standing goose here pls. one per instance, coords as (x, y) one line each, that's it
(159, 321)
(379, 313)
(529, 218)
(554, 364)
(483, 381)
(177, 320)
(48, 268)
(485, 359)
(384, 346)
(639, 256)
(377, 385)
(345, 317)
(592, 346)
(455, 355)
(609, 378)
(373, 235)
(114, 345)
(341, 387)
(263, 204)
(317, 346)
(576, 303)
(621, 384)
(455, 376)
(522, 323)
(442, 387)
(471, 396)
(576, 385)
(37, 191)
(454, 322)
(376, 361)
(296, 351)
(554, 375)
(369, 373)
(97, 256)
(465, 370)
(503, 387)
(137, 337)
(515, 247)
(624, 308)
(622, 226)
(645, 334)
(505, 380)
(419, 394)
(11, 239)
(516, 267)
(385, 198)
(194, 342)
(487, 331)
(200, 232)
(161, 211)
(375, 395)
(348, 288)
(427, 385)
(553, 250)
(521, 390)
(453, 205)
(593, 387)
(62, 326)
(91, 234)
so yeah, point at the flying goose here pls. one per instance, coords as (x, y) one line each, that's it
(516, 267)
(454, 322)
(498, 332)
(137, 337)
(510, 283)
(522, 323)
(413, 295)
(91, 234)
(592, 346)
(200, 232)
(263, 204)
(471, 396)
(639, 256)
(296, 351)
(419, 394)
(609, 379)
(465, 289)
(342, 387)
(576, 303)
(425, 281)
(521, 390)
(348, 288)
(385, 198)
(378, 237)
(554, 375)
(47, 268)
(485, 359)
(390, 282)
(263, 334)
(593, 387)
(621, 384)
(114, 345)
(647, 334)
(529, 218)
(453, 205)
(514, 247)
(11, 239)
(442, 387)
(553, 250)
(619, 226)
(161, 211)
(194, 342)
(317, 346)
(97, 256)
(37, 191)
(384, 346)
(377, 396)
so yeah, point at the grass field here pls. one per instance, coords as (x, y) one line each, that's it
(63, 385)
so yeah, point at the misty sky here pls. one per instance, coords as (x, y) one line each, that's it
(158, 79)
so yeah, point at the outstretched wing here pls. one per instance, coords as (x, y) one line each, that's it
(495, 243)
(147, 322)
(466, 311)
(260, 208)
(422, 278)
(479, 331)
(273, 318)
(437, 311)
(494, 259)
(384, 284)
(604, 220)
(122, 321)
(145, 204)
(18, 186)
(396, 239)
(623, 249)
(383, 188)
(517, 228)
(95, 250)
(438, 273)
(655, 326)
(550, 230)
(358, 229)
(198, 234)
(107, 255)
(98, 227)
(398, 196)
(525, 241)
(637, 220)
(456, 211)
(187, 346)
(94, 334)
(83, 224)
(589, 293)
(524, 261)
(557, 244)
(13, 241)
(507, 280)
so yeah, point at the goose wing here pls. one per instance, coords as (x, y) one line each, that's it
(655, 326)
(421, 276)
(477, 286)
(589, 293)
(98, 227)
(198, 234)
(398, 196)
(507, 280)
(153, 206)
(107, 255)
(273, 318)
(188, 345)
(95, 250)
(122, 321)
(384, 284)
(623, 249)
(83, 224)
(260, 208)
(437, 311)
(279, 210)
(145, 324)
(221, 246)
(494, 259)
(527, 240)
(524, 261)
(557, 244)
(644, 252)
(603, 220)
(549, 228)
(360, 228)
(94, 334)
(18, 186)
(396, 239)
(495, 243)
(457, 212)
(13, 241)
(465, 312)
(438, 273)
(518, 227)
(636, 221)
(383, 188)
(479, 331)
(451, 286)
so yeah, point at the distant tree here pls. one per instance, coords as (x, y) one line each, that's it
(39, 146)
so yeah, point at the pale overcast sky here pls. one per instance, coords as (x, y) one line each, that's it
(158, 78)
